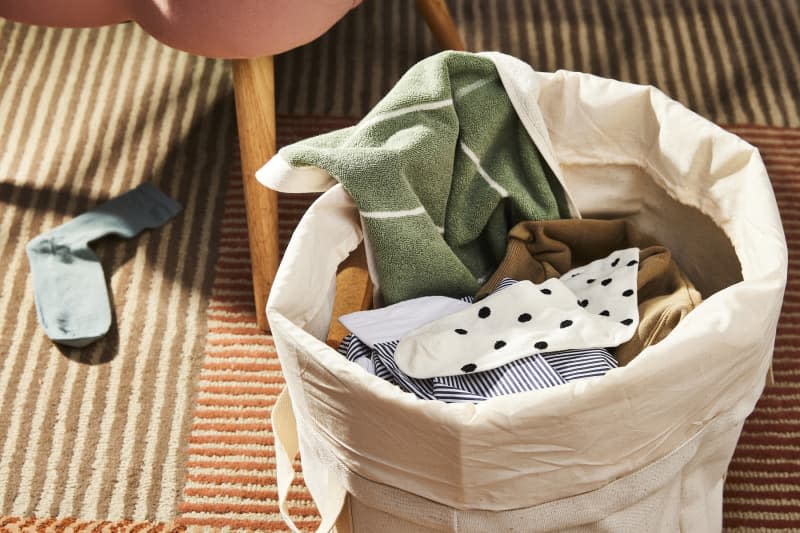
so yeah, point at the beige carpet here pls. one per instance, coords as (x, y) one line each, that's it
(86, 115)
(162, 425)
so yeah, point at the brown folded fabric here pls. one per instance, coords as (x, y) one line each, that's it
(539, 250)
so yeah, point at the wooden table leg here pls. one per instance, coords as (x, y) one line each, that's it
(439, 20)
(254, 89)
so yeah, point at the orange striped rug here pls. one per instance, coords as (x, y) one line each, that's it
(231, 469)
(762, 490)
(230, 472)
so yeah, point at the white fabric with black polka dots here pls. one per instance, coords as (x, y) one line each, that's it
(590, 306)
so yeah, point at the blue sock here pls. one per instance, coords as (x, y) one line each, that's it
(69, 286)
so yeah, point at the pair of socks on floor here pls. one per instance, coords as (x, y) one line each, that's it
(72, 301)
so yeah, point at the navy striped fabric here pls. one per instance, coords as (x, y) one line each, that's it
(528, 373)
(578, 364)
(533, 372)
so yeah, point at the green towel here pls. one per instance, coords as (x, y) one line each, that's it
(440, 170)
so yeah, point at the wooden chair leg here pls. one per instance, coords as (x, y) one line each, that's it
(254, 89)
(353, 293)
(439, 20)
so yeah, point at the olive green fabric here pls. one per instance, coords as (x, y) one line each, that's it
(440, 170)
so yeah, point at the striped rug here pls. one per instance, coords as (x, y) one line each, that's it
(230, 477)
(734, 61)
(101, 433)
(161, 426)
(762, 490)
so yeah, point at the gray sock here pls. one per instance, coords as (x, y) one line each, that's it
(69, 286)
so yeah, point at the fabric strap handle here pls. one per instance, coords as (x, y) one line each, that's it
(287, 446)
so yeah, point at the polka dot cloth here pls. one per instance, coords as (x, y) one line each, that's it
(593, 305)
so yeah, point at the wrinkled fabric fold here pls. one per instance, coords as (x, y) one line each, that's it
(540, 250)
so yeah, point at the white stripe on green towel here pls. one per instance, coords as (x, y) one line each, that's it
(485, 175)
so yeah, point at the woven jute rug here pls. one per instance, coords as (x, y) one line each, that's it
(163, 424)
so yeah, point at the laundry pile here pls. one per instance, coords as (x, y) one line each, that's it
(566, 320)
(489, 281)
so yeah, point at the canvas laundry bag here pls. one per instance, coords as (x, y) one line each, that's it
(643, 448)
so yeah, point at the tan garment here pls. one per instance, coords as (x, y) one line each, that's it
(539, 250)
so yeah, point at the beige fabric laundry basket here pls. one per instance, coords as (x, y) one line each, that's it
(643, 448)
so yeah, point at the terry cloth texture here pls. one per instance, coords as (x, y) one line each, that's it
(440, 170)
(541, 250)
